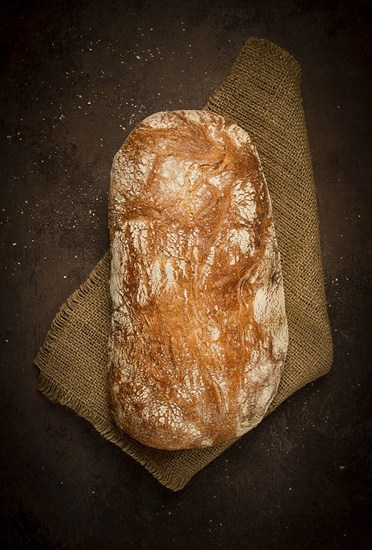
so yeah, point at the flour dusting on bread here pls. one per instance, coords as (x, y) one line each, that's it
(199, 331)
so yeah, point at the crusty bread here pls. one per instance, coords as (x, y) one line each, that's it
(199, 331)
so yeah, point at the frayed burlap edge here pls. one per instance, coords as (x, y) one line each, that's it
(61, 395)
(54, 392)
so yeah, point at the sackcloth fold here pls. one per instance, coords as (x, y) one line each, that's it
(262, 94)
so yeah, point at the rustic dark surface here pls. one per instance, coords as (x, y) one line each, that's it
(76, 77)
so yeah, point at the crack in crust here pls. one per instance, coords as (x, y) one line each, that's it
(199, 332)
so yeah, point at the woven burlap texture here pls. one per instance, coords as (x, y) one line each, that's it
(262, 94)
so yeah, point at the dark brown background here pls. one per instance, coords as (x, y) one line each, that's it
(76, 77)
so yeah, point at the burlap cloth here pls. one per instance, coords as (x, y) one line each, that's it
(262, 94)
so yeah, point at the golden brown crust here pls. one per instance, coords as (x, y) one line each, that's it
(199, 331)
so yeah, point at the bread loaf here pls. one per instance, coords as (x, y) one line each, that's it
(199, 331)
